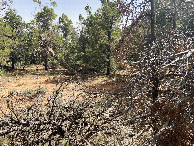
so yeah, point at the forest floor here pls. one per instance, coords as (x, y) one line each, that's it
(19, 85)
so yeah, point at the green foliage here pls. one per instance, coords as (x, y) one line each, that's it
(99, 36)
(53, 3)
(28, 42)
(93, 48)
(31, 52)
(45, 18)
(69, 41)
(5, 42)
(65, 25)
(44, 21)
(34, 93)
(13, 37)
(2, 72)
(13, 20)
(185, 18)
(37, 1)
(179, 13)
(53, 64)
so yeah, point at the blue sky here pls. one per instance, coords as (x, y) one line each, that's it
(27, 8)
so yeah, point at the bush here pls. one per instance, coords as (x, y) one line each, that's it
(34, 93)
(2, 72)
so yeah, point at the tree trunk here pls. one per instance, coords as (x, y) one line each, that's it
(46, 61)
(153, 20)
(13, 64)
(12, 61)
(109, 49)
(153, 37)
(174, 15)
(108, 62)
(155, 77)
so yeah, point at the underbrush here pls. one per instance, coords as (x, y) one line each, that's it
(34, 93)
(2, 72)
(4, 141)
(110, 113)
(28, 93)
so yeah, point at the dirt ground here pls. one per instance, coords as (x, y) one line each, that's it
(13, 84)
(32, 78)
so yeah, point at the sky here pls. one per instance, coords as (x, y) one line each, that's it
(72, 8)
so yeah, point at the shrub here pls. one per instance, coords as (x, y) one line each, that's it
(2, 72)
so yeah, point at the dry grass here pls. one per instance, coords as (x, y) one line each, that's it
(33, 77)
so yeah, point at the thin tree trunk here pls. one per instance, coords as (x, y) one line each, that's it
(46, 61)
(153, 20)
(155, 78)
(108, 62)
(13, 61)
(153, 37)
(13, 64)
(109, 49)
(174, 15)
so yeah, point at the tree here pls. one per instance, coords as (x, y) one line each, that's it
(5, 42)
(160, 87)
(44, 21)
(17, 28)
(65, 25)
(45, 18)
(51, 42)
(100, 34)
(5, 4)
(111, 17)
(70, 39)
(32, 54)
